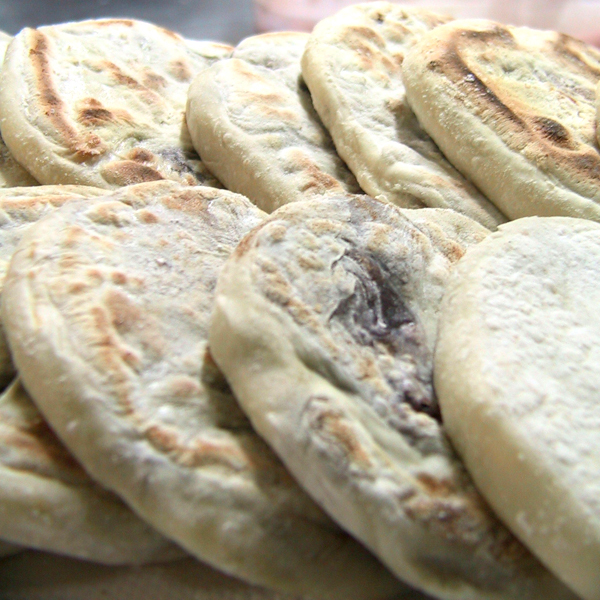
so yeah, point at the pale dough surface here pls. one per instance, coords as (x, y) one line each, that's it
(517, 378)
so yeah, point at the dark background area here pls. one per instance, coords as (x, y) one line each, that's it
(218, 20)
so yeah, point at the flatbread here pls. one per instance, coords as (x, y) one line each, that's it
(11, 172)
(48, 502)
(252, 120)
(353, 68)
(101, 102)
(513, 109)
(324, 324)
(19, 208)
(108, 308)
(517, 378)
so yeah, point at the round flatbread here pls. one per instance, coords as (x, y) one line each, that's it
(48, 502)
(324, 324)
(252, 120)
(108, 308)
(353, 68)
(517, 378)
(101, 102)
(19, 208)
(513, 109)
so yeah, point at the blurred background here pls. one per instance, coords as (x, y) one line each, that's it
(232, 20)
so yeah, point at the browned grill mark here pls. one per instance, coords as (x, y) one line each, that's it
(154, 81)
(141, 155)
(329, 424)
(576, 53)
(127, 172)
(553, 131)
(170, 34)
(314, 180)
(113, 22)
(187, 201)
(124, 313)
(180, 70)
(84, 146)
(148, 217)
(36, 439)
(199, 453)
(435, 486)
(120, 77)
(542, 141)
(118, 278)
(91, 113)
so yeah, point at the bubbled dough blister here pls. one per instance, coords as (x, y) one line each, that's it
(353, 68)
(109, 307)
(516, 373)
(102, 102)
(251, 118)
(325, 321)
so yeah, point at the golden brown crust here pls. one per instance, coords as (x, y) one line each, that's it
(459, 59)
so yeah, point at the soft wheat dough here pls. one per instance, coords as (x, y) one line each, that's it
(108, 307)
(48, 502)
(19, 208)
(324, 325)
(353, 68)
(516, 371)
(102, 102)
(11, 172)
(251, 119)
(513, 109)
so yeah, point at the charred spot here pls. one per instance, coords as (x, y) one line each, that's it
(552, 130)
(95, 116)
(379, 17)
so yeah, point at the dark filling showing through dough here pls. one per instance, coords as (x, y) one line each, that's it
(376, 316)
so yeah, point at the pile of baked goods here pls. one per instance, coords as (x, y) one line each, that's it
(318, 310)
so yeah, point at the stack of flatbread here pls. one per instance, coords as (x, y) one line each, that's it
(317, 311)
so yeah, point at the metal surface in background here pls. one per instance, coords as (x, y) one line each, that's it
(218, 20)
